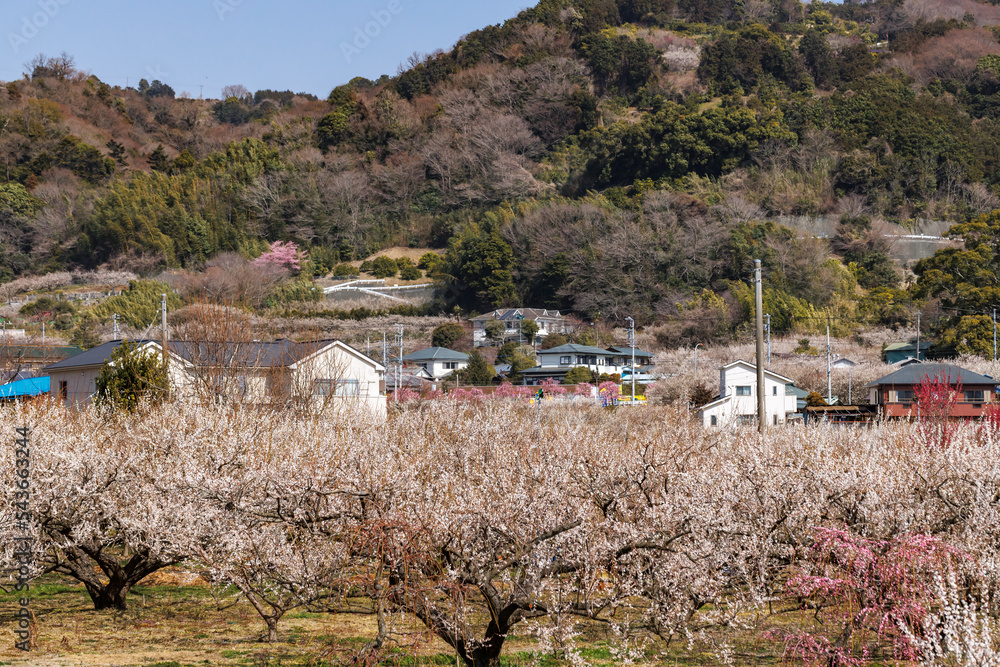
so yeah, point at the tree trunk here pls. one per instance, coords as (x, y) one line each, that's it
(272, 628)
(109, 596)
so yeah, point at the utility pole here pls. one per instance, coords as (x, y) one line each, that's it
(163, 333)
(696, 361)
(769, 339)
(43, 333)
(399, 365)
(829, 368)
(994, 334)
(759, 315)
(114, 332)
(918, 337)
(631, 342)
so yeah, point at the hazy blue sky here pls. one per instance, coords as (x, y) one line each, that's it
(302, 45)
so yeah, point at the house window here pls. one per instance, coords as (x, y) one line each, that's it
(340, 388)
(774, 391)
(565, 361)
(715, 420)
(974, 396)
(63, 389)
(904, 395)
(775, 420)
(743, 391)
(450, 365)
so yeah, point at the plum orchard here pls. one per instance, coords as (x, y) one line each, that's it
(481, 519)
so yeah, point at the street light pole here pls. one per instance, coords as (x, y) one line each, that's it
(696, 361)
(631, 342)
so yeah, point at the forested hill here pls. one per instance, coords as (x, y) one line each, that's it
(609, 157)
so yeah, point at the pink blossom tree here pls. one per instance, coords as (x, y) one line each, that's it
(285, 255)
(872, 589)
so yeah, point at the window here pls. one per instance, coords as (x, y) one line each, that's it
(775, 420)
(774, 390)
(715, 420)
(450, 365)
(565, 361)
(63, 389)
(743, 391)
(904, 396)
(341, 388)
(974, 396)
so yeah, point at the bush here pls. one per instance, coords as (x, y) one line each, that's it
(139, 305)
(367, 267)
(384, 267)
(579, 375)
(410, 272)
(131, 376)
(429, 261)
(346, 270)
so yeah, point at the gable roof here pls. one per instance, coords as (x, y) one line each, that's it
(627, 351)
(907, 347)
(251, 354)
(511, 313)
(715, 402)
(573, 348)
(753, 367)
(95, 356)
(255, 354)
(436, 354)
(915, 374)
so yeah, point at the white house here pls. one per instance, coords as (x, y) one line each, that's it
(737, 402)
(556, 362)
(438, 361)
(320, 372)
(548, 321)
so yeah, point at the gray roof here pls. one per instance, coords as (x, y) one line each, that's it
(510, 313)
(95, 356)
(627, 351)
(915, 374)
(255, 354)
(436, 354)
(573, 348)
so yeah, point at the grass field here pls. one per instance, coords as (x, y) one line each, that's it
(175, 625)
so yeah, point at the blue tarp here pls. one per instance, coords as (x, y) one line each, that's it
(23, 388)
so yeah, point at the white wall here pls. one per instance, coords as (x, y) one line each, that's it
(777, 405)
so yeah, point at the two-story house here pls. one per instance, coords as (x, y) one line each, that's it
(737, 401)
(439, 362)
(548, 321)
(896, 394)
(556, 362)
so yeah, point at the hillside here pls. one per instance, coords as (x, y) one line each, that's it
(607, 157)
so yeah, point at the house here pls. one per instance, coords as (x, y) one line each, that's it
(737, 401)
(27, 358)
(643, 362)
(253, 371)
(438, 361)
(548, 321)
(896, 352)
(556, 362)
(896, 393)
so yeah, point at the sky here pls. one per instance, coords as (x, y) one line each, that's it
(199, 46)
